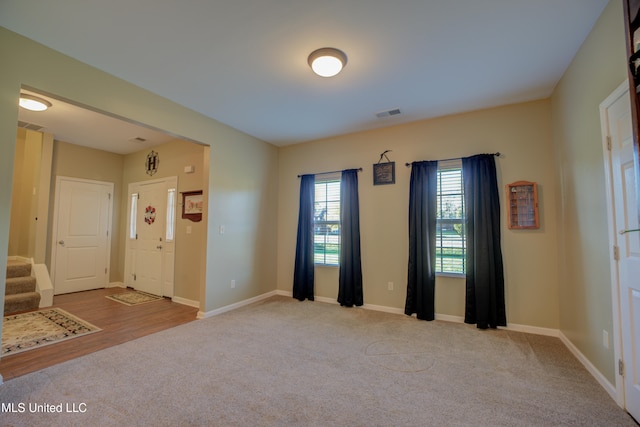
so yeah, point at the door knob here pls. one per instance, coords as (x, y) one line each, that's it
(159, 247)
(61, 242)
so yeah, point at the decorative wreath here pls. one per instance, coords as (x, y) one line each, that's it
(150, 215)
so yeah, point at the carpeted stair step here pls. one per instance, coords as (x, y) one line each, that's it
(21, 302)
(20, 285)
(18, 269)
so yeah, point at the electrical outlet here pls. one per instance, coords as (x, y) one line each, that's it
(605, 339)
(390, 286)
(233, 284)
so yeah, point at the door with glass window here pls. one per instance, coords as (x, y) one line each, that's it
(151, 244)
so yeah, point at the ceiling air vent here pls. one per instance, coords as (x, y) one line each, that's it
(29, 126)
(388, 113)
(137, 139)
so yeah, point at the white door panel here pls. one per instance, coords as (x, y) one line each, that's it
(150, 224)
(80, 252)
(625, 214)
(150, 257)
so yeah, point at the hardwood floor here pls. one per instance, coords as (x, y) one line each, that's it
(119, 324)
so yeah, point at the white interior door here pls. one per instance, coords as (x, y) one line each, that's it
(151, 245)
(627, 249)
(80, 253)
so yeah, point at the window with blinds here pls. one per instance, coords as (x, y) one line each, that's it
(450, 230)
(326, 219)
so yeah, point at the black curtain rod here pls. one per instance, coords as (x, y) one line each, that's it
(453, 158)
(325, 173)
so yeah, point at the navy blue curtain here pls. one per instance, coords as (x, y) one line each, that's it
(485, 304)
(303, 273)
(350, 282)
(421, 278)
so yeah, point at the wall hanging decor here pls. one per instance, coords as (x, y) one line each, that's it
(152, 162)
(150, 215)
(522, 203)
(192, 205)
(384, 173)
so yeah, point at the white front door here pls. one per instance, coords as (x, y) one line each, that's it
(627, 243)
(150, 248)
(81, 241)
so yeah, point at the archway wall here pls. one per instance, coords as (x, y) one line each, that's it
(242, 170)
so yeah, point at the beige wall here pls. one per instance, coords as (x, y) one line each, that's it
(24, 200)
(86, 163)
(585, 285)
(247, 175)
(76, 161)
(522, 132)
(242, 177)
(556, 277)
(174, 156)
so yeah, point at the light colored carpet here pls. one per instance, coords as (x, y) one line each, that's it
(26, 331)
(133, 298)
(281, 362)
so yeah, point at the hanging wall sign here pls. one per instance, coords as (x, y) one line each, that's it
(150, 215)
(384, 173)
(153, 160)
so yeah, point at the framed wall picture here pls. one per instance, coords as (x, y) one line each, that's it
(384, 173)
(192, 205)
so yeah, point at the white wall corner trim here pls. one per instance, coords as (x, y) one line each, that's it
(609, 388)
(43, 284)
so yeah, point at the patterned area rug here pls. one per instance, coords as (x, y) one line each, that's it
(21, 332)
(134, 297)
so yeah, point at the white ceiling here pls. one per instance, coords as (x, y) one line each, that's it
(244, 62)
(71, 123)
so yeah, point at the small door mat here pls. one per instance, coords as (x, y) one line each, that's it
(26, 331)
(134, 298)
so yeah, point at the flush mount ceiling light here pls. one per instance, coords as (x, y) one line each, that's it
(327, 62)
(33, 103)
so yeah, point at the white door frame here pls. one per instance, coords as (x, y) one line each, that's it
(620, 91)
(54, 231)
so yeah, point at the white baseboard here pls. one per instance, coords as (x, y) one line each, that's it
(116, 285)
(19, 258)
(204, 315)
(536, 330)
(184, 301)
(444, 317)
(609, 388)
(602, 380)
(449, 318)
(383, 308)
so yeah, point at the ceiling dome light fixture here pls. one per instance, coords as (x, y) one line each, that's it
(327, 62)
(33, 103)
